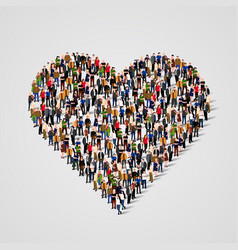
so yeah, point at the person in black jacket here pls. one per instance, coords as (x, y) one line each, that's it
(100, 158)
(81, 166)
(170, 151)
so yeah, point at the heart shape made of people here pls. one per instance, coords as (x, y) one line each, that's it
(118, 130)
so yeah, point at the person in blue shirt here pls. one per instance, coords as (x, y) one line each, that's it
(122, 112)
(185, 68)
(47, 94)
(144, 73)
(159, 72)
(52, 72)
(80, 128)
(87, 90)
(75, 161)
(196, 104)
(68, 104)
(141, 64)
(87, 77)
(127, 91)
(62, 62)
(152, 104)
(83, 104)
(128, 147)
(158, 57)
(114, 158)
(133, 156)
(95, 124)
(138, 184)
(77, 143)
(151, 136)
(180, 103)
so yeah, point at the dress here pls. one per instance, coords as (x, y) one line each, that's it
(166, 156)
(155, 167)
(180, 143)
(62, 148)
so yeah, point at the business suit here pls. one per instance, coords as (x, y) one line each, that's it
(101, 158)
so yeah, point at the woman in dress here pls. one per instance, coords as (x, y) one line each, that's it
(62, 149)
(180, 143)
(165, 155)
(155, 167)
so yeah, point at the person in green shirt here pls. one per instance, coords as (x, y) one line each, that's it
(119, 136)
(110, 178)
(78, 149)
(114, 182)
(142, 99)
(57, 61)
(74, 72)
(75, 88)
(104, 115)
(113, 72)
(173, 130)
(64, 126)
(33, 117)
(133, 145)
(38, 79)
(184, 82)
(99, 179)
(101, 71)
(108, 130)
(148, 86)
(195, 74)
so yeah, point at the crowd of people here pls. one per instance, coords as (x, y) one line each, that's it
(118, 130)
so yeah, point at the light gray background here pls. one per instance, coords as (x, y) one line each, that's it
(43, 201)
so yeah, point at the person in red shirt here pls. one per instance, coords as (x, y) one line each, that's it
(97, 63)
(158, 111)
(109, 171)
(90, 148)
(42, 95)
(49, 83)
(84, 84)
(108, 68)
(117, 125)
(154, 97)
(43, 109)
(196, 89)
(157, 89)
(145, 141)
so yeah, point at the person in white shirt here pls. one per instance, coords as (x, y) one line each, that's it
(93, 58)
(122, 198)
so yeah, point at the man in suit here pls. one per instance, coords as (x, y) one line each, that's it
(170, 151)
(128, 194)
(100, 158)
(88, 173)
(85, 145)
(152, 59)
(47, 115)
(93, 96)
(77, 59)
(88, 159)
(87, 103)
